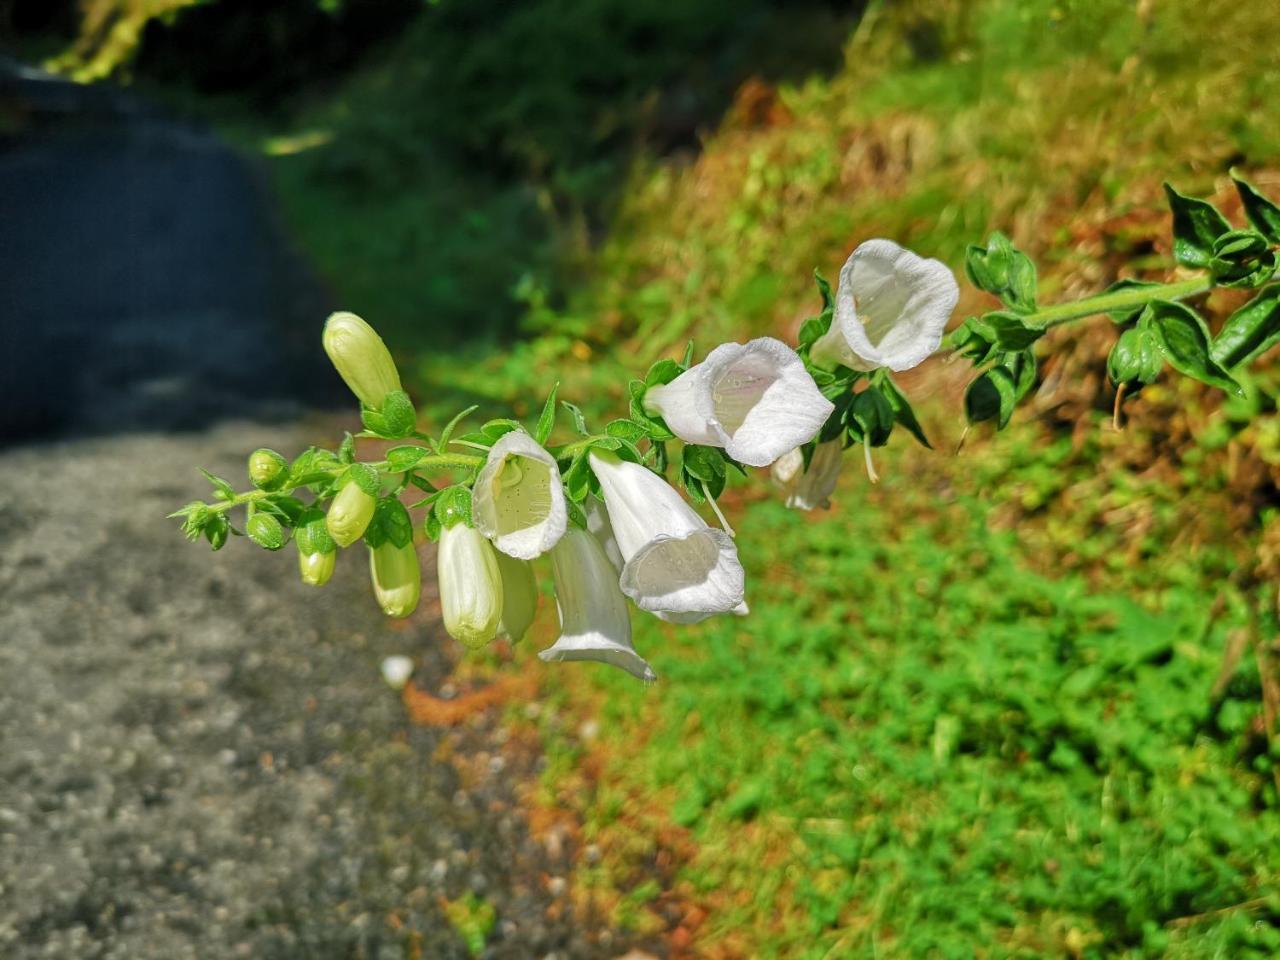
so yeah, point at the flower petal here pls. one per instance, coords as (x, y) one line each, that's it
(518, 498)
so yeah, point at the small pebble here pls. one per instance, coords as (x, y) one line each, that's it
(396, 671)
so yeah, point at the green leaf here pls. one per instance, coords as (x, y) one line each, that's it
(221, 488)
(1012, 332)
(1242, 258)
(1127, 314)
(1182, 337)
(452, 425)
(1250, 331)
(1196, 224)
(702, 471)
(1002, 269)
(901, 407)
(813, 328)
(347, 452)
(579, 421)
(975, 339)
(1262, 213)
(577, 479)
(655, 427)
(368, 479)
(626, 430)
(547, 421)
(287, 508)
(265, 530)
(405, 457)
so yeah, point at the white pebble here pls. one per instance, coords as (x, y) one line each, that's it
(396, 671)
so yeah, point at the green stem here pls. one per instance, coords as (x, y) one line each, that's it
(1117, 300)
(437, 461)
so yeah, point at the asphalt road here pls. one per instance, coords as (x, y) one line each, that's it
(199, 756)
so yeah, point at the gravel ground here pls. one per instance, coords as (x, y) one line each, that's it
(198, 755)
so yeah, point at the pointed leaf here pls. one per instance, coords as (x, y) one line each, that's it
(1182, 337)
(1196, 224)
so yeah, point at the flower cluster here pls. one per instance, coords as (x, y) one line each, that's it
(600, 507)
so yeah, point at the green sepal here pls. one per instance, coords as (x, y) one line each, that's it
(579, 421)
(1135, 360)
(216, 529)
(1002, 269)
(285, 508)
(312, 466)
(265, 530)
(662, 372)
(1181, 335)
(996, 393)
(222, 490)
(687, 359)
(701, 466)
(1127, 315)
(498, 428)
(1250, 331)
(405, 457)
(871, 418)
(654, 426)
(364, 476)
(399, 417)
(1242, 258)
(813, 328)
(576, 515)
(577, 479)
(1196, 225)
(390, 524)
(901, 406)
(311, 535)
(626, 430)
(452, 506)
(347, 451)
(547, 420)
(824, 290)
(1262, 213)
(982, 339)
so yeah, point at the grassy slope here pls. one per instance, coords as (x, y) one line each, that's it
(920, 743)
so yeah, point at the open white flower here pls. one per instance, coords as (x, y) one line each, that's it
(812, 488)
(892, 307)
(673, 561)
(598, 526)
(755, 400)
(470, 585)
(594, 621)
(518, 500)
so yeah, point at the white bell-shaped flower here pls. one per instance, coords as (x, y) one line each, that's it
(519, 596)
(812, 488)
(756, 400)
(594, 621)
(892, 307)
(673, 561)
(470, 585)
(518, 499)
(598, 526)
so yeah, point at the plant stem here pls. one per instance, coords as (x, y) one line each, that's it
(1117, 300)
(437, 461)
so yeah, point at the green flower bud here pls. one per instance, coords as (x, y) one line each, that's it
(317, 568)
(470, 585)
(350, 513)
(361, 358)
(267, 469)
(265, 530)
(397, 578)
(519, 596)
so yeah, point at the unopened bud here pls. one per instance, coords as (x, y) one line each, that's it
(317, 568)
(351, 511)
(361, 358)
(267, 469)
(470, 585)
(519, 596)
(397, 578)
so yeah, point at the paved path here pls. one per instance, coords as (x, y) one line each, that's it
(198, 756)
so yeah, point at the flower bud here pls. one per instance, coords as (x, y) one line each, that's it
(470, 585)
(361, 358)
(353, 507)
(397, 578)
(519, 596)
(317, 553)
(267, 469)
(317, 568)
